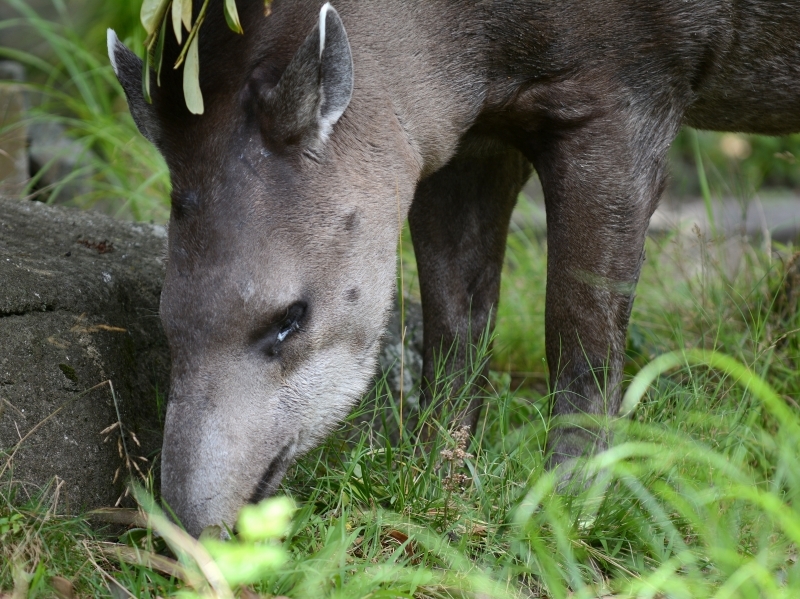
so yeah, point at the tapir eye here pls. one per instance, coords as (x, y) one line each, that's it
(289, 325)
(269, 337)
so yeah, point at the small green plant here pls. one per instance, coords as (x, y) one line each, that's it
(211, 567)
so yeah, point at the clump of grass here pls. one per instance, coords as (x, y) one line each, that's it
(37, 544)
(520, 315)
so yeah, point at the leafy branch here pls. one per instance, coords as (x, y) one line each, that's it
(157, 16)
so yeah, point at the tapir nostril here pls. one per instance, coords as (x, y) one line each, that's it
(266, 486)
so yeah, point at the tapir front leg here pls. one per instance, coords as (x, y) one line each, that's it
(459, 224)
(601, 183)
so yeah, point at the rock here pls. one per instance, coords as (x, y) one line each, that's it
(11, 70)
(79, 298)
(772, 215)
(38, 147)
(409, 369)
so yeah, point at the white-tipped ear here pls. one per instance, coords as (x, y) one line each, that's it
(323, 13)
(111, 42)
(128, 69)
(336, 69)
(314, 90)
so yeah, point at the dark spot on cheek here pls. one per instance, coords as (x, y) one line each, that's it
(352, 294)
(359, 342)
(351, 221)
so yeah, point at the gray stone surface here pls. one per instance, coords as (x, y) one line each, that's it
(72, 315)
(769, 214)
(774, 213)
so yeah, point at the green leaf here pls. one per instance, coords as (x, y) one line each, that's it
(186, 14)
(195, 30)
(232, 17)
(191, 79)
(266, 520)
(151, 14)
(177, 13)
(244, 564)
(146, 78)
(158, 56)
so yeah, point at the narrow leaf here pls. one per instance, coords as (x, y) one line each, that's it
(146, 78)
(158, 56)
(192, 33)
(151, 14)
(232, 17)
(186, 14)
(177, 9)
(191, 79)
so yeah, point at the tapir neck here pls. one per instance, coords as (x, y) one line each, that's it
(428, 68)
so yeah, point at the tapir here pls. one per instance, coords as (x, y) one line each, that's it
(326, 127)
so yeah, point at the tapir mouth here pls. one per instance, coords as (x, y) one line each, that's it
(273, 474)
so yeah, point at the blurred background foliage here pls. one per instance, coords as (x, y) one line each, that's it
(84, 147)
(750, 161)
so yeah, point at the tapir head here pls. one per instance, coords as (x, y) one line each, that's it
(287, 194)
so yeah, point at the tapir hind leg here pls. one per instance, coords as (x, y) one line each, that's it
(459, 224)
(601, 182)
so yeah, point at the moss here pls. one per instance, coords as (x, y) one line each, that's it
(69, 372)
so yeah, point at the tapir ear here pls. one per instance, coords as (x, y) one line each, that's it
(315, 88)
(128, 68)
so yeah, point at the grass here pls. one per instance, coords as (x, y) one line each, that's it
(697, 497)
(76, 89)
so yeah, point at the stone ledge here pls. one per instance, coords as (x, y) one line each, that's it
(79, 298)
